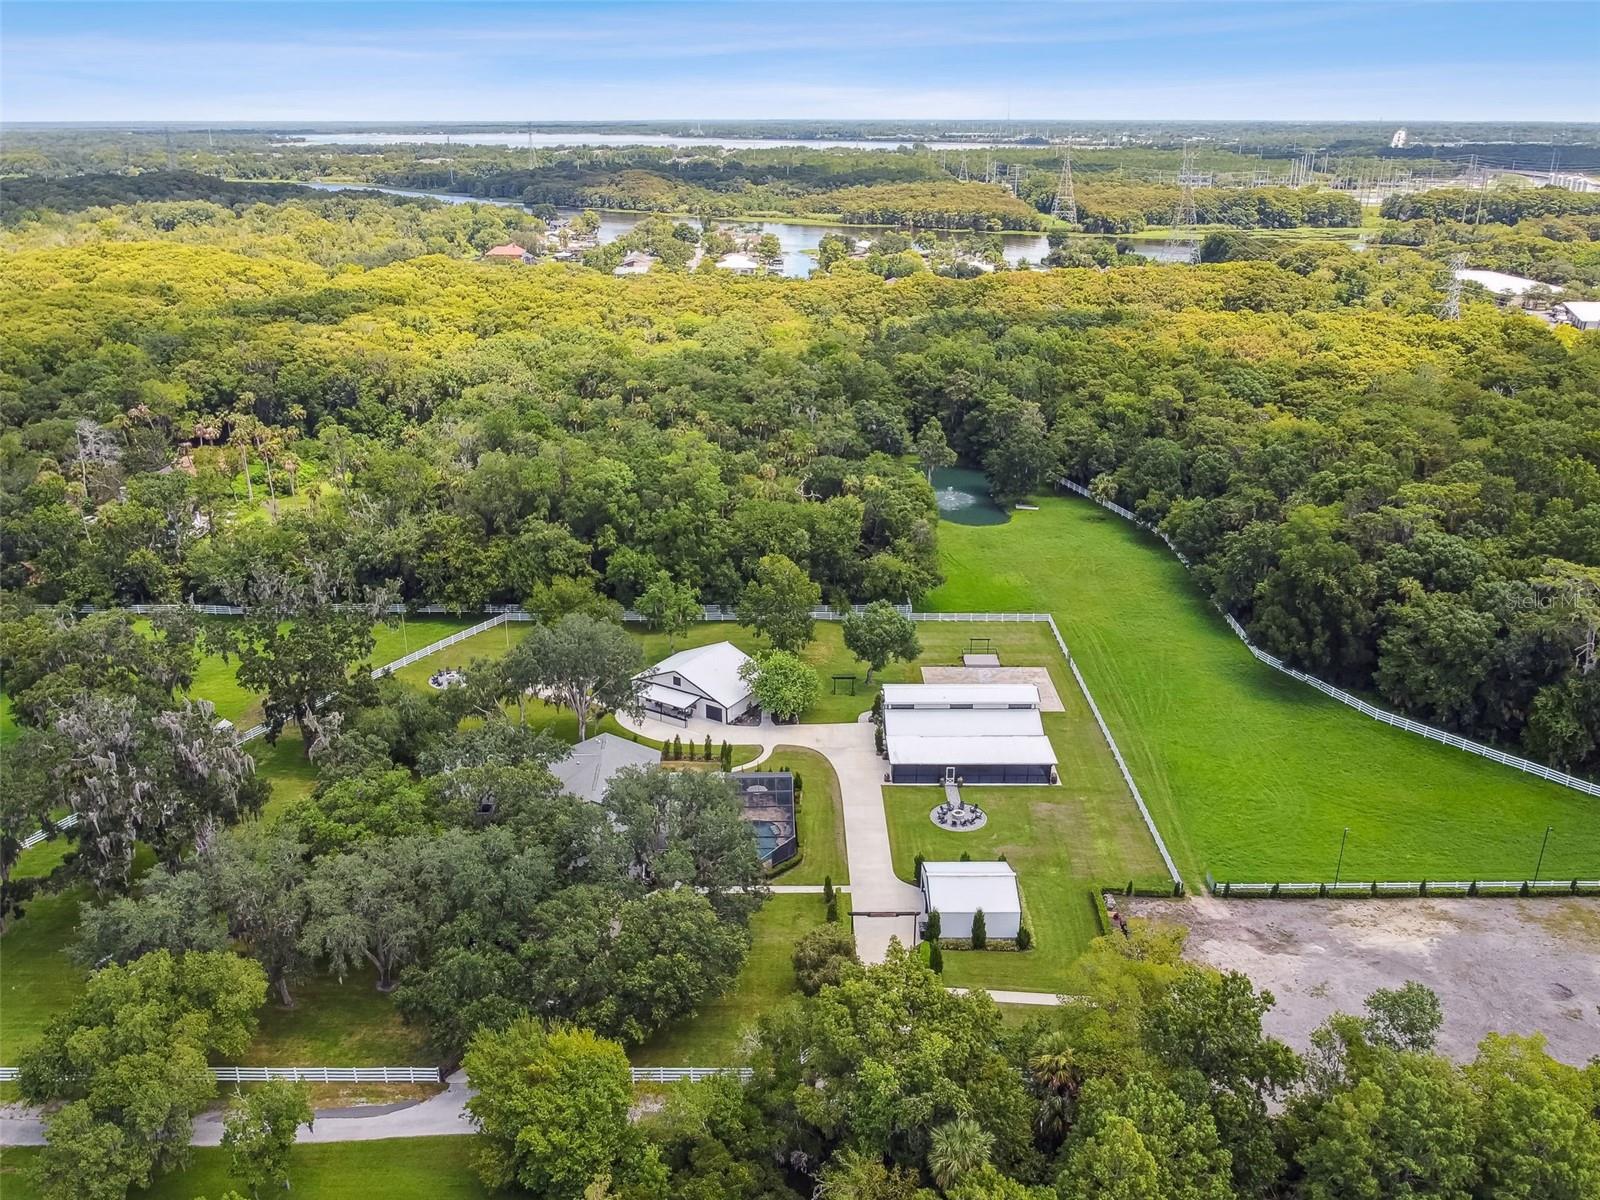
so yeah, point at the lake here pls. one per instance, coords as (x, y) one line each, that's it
(963, 497)
(552, 140)
(795, 240)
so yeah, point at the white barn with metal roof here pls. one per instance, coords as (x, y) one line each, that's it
(959, 889)
(702, 681)
(971, 732)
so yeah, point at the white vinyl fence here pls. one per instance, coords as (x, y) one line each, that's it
(418, 1074)
(328, 1074)
(686, 1074)
(1343, 697)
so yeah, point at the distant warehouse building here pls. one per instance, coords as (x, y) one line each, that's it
(1582, 314)
(1507, 289)
(972, 732)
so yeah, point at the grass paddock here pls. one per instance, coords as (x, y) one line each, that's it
(1248, 773)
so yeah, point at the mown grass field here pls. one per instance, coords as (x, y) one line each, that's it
(1249, 774)
(432, 1168)
(715, 1037)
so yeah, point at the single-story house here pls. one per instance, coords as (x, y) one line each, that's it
(510, 252)
(972, 732)
(587, 771)
(635, 262)
(1583, 314)
(739, 263)
(959, 889)
(702, 681)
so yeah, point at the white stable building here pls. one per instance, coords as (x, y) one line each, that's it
(971, 732)
(703, 681)
(959, 889)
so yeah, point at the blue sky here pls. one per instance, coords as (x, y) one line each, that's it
(1289, 60)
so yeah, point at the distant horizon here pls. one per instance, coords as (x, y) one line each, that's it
(512, 124)
(257, 62)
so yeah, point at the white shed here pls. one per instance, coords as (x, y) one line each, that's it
(958, 889)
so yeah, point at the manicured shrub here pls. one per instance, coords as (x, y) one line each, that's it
(980, 930)
(708, 747)
(936, 959)
(1024, 938)
(930, 930)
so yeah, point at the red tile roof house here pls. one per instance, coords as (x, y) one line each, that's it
(510, 252)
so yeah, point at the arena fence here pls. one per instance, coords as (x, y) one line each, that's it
(1350, 889)
(1588, 787)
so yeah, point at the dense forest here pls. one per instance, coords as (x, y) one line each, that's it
(1396, 503)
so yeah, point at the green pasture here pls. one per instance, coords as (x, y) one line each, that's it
(1249, 774)
(428, 1168)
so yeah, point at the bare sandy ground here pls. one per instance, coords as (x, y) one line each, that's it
(1049, 701)
(1498, 966)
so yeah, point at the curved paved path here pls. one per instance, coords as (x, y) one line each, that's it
(874, 887)
(444, 1115)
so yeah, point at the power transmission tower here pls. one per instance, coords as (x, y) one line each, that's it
(1450, 310)
(1065, 205)
(1184, 219)
(963, 174)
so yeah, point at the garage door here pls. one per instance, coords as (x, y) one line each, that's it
(713, 713)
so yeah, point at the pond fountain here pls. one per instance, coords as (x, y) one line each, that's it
(963, 497)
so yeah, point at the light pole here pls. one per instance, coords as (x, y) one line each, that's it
(1340, 867)
(1542, 846)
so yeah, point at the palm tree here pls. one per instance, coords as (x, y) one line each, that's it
(957, 1148)
(1056, 1077)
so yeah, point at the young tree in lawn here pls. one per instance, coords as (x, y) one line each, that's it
(580, 663)
(980, 930)
(551, 1107)
(932, 450)
(879, 634)
(259, 1131)
(670, 607)
(782, 683)
(778, 602)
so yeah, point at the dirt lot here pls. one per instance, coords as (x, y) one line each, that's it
(1049, 701)
(1507, 966)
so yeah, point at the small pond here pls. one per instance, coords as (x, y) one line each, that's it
(963, 496)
